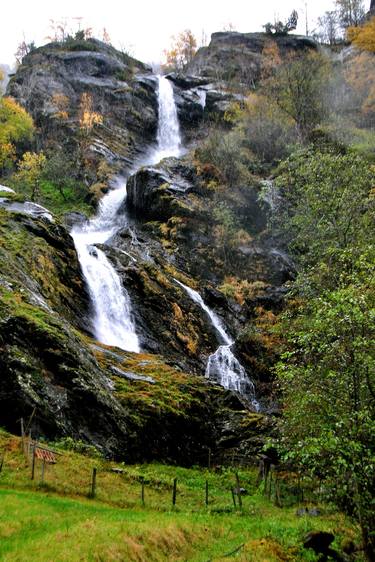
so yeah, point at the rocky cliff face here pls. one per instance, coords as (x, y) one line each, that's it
(130, 406)
(155, 404)
(55, 82)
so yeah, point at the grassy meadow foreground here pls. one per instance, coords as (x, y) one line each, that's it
(57, 520)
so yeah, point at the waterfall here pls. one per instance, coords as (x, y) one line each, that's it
(222, 365)
(112, 319)
(168, 137)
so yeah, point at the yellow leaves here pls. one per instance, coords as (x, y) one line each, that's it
(15, 125)
(363, 37)
(32, 162)
(88, 118)
(361, 77)
(30, 170)
(270, 58)
(177, 312)
(242, 289)
(61, 102)
(7, 154)
(182, 50)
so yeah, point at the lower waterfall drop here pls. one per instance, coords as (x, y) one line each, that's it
(223, 366)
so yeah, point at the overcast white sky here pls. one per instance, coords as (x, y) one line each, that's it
(145, 26)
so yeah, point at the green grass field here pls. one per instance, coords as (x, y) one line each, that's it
(57, 521)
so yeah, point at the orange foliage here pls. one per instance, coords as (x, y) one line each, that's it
(270, 58)
(87, 117)
(361, 77)
(363, 37)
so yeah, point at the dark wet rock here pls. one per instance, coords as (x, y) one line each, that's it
(240, 491)
(38, 258)
(159, 192)
(187, 82)
(319, 542)
(74, 219)
(6, 189)
(308, 511)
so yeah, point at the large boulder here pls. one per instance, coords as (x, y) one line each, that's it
(159, 191)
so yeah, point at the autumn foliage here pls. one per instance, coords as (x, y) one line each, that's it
(363, 37)
(182, 50)
(16, 126)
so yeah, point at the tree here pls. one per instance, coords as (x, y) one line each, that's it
(283, 28)
(268, 132)
(327, 378)
(350, 12)
(23, 49)
(88, 118)
(30, 172)
(363, 37)
(328, 25)
(106, 37)
(16, 130)
(359, 75)
(60, 169)
(327, 371)
(296, 86)
(327, 212)
(182, 51)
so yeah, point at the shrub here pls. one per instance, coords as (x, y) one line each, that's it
(226, 152)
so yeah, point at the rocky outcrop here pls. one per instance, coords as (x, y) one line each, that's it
(174, 205)
(159, 192)
(237, 58)
(53, 82)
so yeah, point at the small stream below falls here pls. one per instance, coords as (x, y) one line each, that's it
(113, 322)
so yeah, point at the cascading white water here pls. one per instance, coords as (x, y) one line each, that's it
(222, 365)
(210, 313)
(168, 135)
(112, 321)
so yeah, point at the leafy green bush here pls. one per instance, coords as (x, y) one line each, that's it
(229, 156)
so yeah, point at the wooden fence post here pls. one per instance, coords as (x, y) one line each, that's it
(174, 492)
(23, 437)
(43, 469)
(233, 497)
(142, 490)
(93, 483)
(270, 484)
(33, 462)
(277, 492)
(239, 491)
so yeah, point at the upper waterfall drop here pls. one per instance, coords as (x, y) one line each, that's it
(113, 319)
(168, 134)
